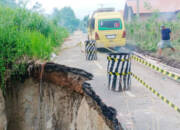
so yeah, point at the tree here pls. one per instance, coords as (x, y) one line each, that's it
(66, 17)
(56, 16)
(85, 20)
(84, 23)
(37, 7)
(10, 3)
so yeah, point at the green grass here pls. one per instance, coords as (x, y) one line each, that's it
(146, 34)
(26, 34)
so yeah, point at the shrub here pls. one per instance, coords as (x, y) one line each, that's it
(147, 33)
(26, 33)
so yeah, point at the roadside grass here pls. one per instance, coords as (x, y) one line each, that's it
(26, 34)
(146, 34)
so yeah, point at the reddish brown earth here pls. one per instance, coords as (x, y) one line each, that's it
(54, 97)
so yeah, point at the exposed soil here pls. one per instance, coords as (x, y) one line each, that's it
(55, 97)
(166, 60)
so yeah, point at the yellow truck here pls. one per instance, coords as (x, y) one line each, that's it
(107, 28)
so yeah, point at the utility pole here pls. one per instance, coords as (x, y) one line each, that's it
(137, 8)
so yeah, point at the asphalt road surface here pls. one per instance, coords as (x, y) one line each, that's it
(138, 108)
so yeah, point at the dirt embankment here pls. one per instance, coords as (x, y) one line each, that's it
(56, 98)
(166, 60)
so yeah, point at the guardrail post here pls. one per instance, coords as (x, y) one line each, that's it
(90, 50)
(119, 71)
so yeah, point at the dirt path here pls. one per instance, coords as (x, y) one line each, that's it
(138, 109)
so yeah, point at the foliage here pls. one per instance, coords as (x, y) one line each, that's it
(26, 34)
(146, 34)
(66, 18)
(10, 3)
(84, 23)
(37, 7)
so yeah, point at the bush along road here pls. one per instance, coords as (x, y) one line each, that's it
(24, 36)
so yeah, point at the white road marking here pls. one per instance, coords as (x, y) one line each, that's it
(130, 94)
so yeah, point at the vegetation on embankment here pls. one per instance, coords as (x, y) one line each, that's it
(25, 34)
(146, 33)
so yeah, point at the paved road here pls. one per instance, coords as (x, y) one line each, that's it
(138, 108)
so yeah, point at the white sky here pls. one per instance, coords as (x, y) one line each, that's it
(81, 7)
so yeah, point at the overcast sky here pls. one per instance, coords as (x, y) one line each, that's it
(81, 7)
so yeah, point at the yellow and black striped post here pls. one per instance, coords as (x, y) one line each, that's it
(90, 50)
(119, 71)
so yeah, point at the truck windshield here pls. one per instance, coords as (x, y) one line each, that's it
(109, 24)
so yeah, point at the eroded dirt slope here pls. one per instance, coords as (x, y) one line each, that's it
(60, 101)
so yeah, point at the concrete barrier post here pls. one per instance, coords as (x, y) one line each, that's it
(90, 50)
(119, 71)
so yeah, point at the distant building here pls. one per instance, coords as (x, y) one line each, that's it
(168, 9)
